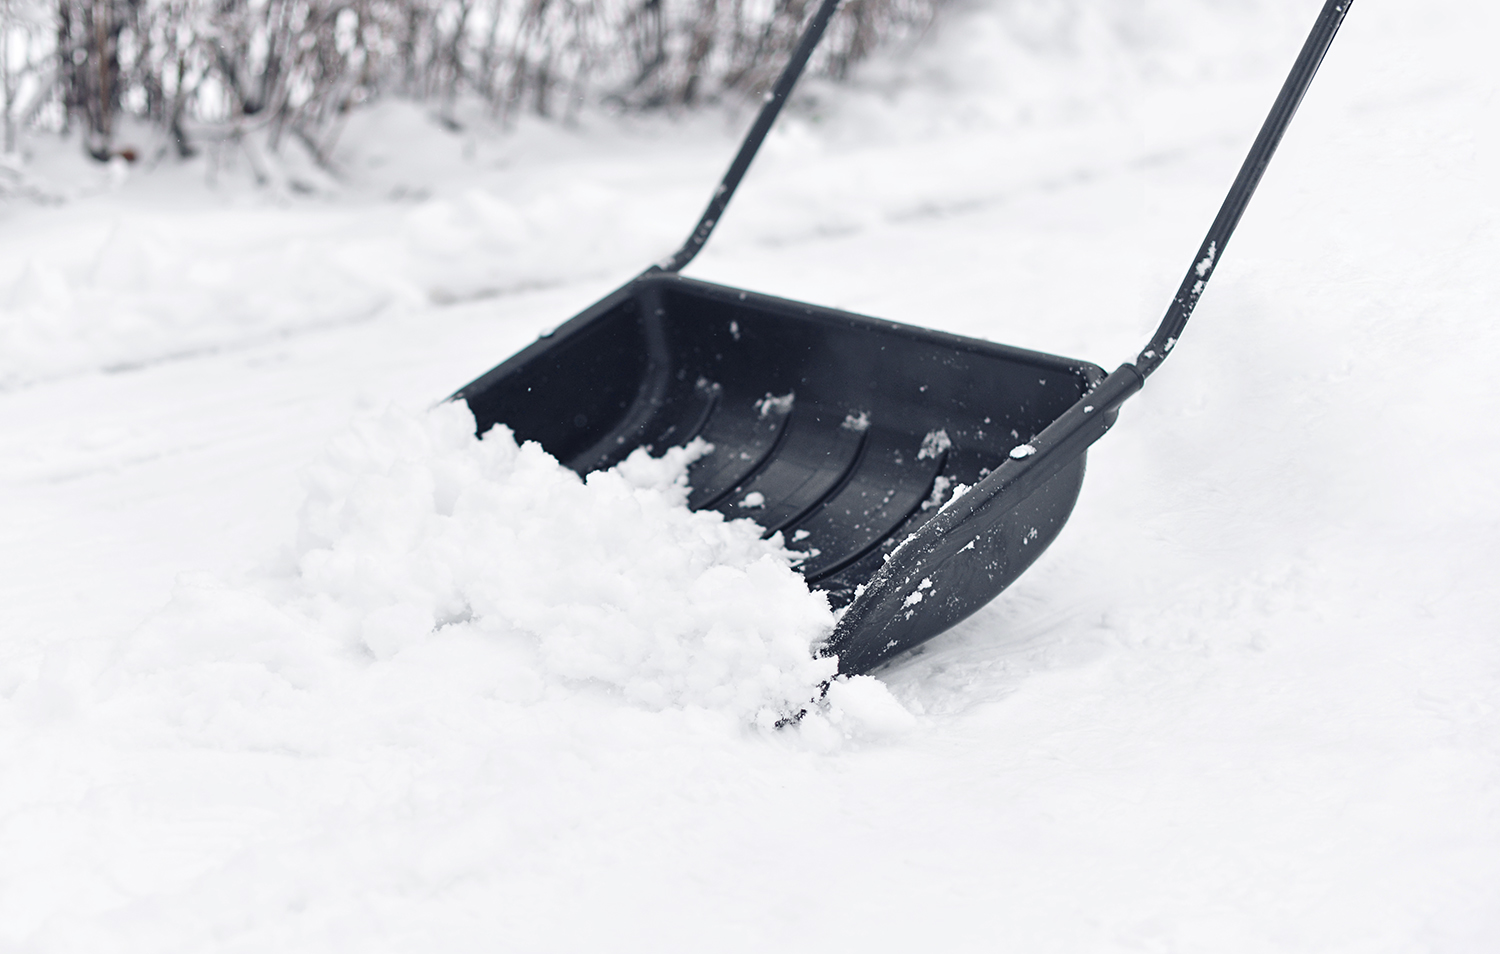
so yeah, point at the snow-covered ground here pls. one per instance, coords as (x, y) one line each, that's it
(269, 682)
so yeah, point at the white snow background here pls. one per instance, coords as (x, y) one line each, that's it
(289, 662)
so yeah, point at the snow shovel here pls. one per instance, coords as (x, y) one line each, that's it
(919, 473)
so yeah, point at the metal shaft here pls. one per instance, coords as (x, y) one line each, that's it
(1212, 249)
(774, 101)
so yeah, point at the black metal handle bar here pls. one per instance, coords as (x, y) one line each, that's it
(774, 101)
(1212, 249)
(1088, 419)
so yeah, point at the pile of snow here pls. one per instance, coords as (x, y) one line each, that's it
(414, 524)
(415, 530)
(154, 289)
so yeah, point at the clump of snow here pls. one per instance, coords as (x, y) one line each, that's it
(1207, 261)
(935, 443)
(940, 485)
(412, 524)
(959, 489)
(416, 532)
(419, 541)
(776, 404)
(941, 496)
(855, 707)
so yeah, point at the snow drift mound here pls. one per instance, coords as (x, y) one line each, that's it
(413, 525)
(422, 546)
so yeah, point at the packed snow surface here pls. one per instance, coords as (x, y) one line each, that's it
(291, 661)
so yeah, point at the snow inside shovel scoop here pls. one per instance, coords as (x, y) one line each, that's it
(920, 472)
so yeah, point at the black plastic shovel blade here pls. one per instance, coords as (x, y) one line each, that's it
(849, 435)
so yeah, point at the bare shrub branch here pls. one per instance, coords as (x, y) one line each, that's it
(217, 68)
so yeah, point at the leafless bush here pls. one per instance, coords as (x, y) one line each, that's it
(203, 68)
(27, 68)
